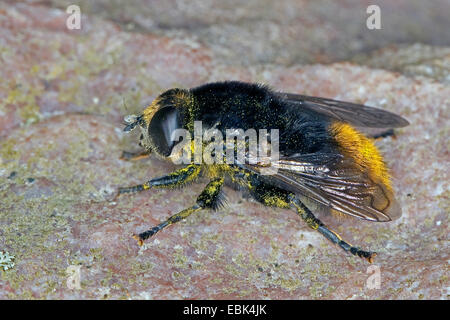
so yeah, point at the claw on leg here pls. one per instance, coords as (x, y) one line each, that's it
(138, 239)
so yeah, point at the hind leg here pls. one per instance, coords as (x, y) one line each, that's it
(273, 196)
(316, 224)
(383, 134)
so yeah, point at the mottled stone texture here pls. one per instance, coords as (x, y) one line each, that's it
(63, 94)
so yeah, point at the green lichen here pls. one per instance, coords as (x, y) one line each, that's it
(6, 260)
(25, 96)
(8, 150)
(180, 260)
(42, 231)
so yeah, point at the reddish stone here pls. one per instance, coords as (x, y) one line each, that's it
(57, 209)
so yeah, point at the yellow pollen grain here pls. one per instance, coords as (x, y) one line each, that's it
(275, 201)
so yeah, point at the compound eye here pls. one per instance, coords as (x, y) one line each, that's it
(163, 123)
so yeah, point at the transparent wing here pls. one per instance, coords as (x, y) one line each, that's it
(334, 182)
(355, 114)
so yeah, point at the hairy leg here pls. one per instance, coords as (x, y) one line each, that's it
(209, 199)
(316, 224)
(174, 179)
(273, 196)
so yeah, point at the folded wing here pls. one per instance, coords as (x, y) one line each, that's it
(334, 182)
(355, 114)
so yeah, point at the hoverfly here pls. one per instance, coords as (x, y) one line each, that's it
(322, 157)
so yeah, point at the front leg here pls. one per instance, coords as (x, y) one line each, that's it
(133, 156)
(209, 199)
(136, 155)
(174, 179)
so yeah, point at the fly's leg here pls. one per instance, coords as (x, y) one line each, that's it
(276, 197)
(174, 179)
(134, 155)
(210, 198)
(316, 224)
(383, 134)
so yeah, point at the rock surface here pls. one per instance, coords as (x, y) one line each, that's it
(62, 98)
(415, 60)
(291, 32)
